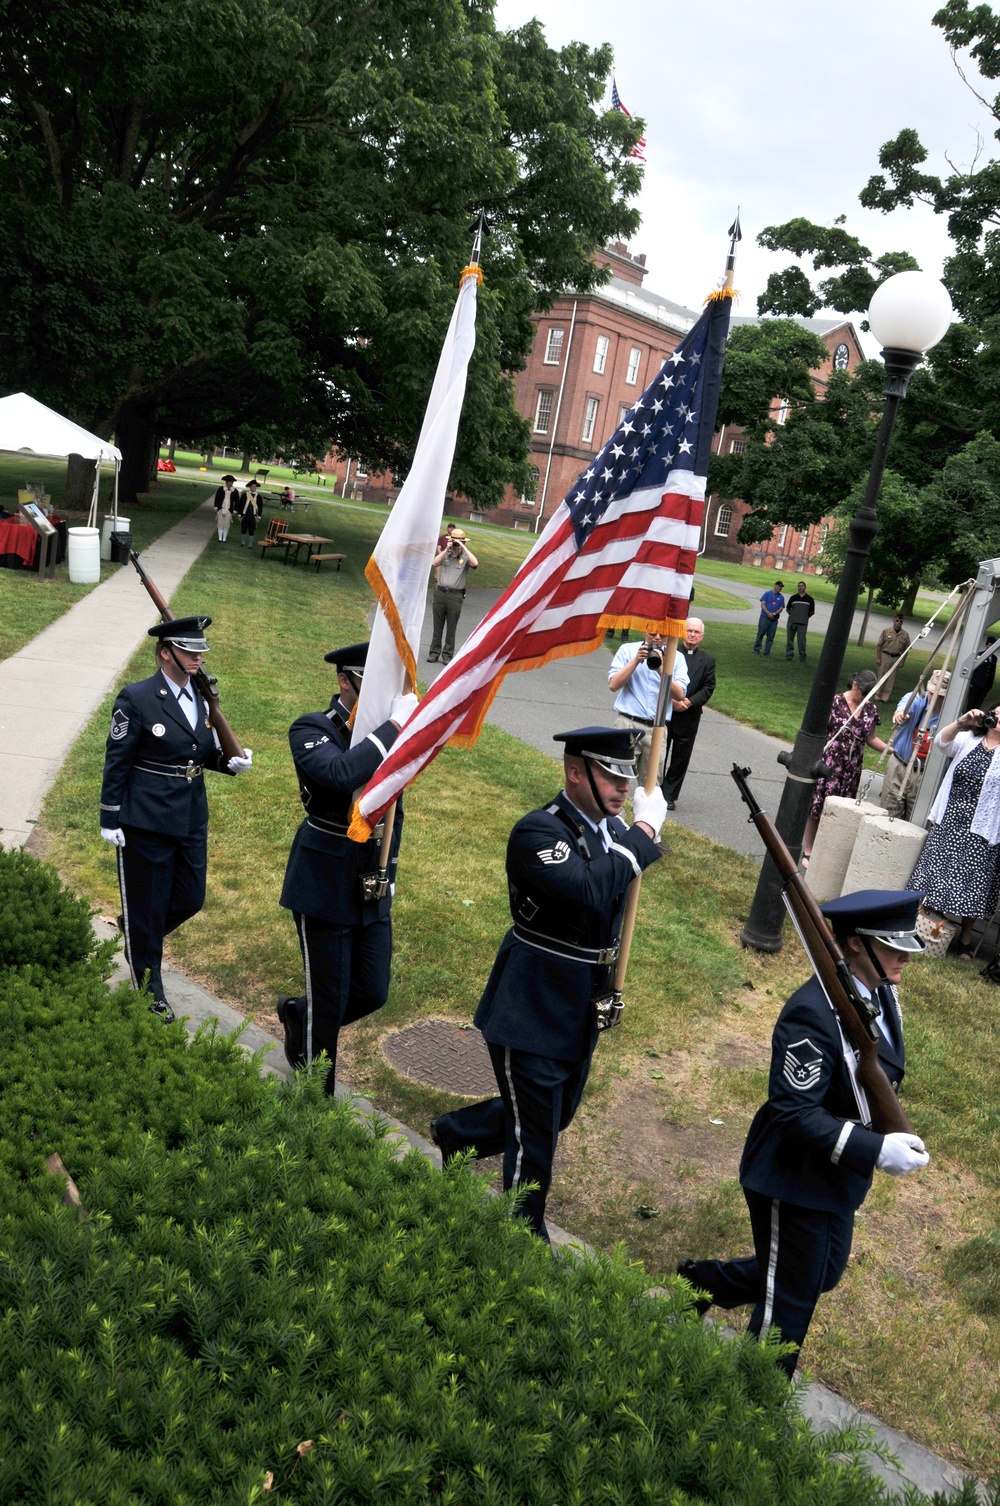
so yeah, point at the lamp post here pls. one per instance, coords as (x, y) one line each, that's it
(909, 313)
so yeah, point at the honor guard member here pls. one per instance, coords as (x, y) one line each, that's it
(809, 1157)
(331, 883)
(569, 868)
(153, 803)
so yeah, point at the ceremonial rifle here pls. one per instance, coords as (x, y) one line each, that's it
(858, 1016)
(206, 683)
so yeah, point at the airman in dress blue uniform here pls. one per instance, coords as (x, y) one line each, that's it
(569, 868)
(343, 923)
(153, 804)
(810, 1155)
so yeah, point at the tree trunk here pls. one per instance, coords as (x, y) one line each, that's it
(245, 462)
(208, 458)
(910, 601)
(864, 620)
(171, 448)
(136, 438)
(79, 483)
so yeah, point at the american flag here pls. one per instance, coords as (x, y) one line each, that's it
(616, 104)
(619, 551)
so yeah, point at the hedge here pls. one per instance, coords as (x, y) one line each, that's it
(264, 1302)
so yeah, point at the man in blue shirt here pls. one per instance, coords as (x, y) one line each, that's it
(899, 793)
(772, 604)
(635, 677)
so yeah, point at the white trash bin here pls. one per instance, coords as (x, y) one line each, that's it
(110, 526)
(84, 556)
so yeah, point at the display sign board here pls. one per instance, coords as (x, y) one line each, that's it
(34, 515)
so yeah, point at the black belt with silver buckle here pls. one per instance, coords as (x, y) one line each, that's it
(171, 770)
(595, 956)
(340, 828)
(455, 590)
(644, 721)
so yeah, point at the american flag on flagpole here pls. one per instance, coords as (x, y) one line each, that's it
(619, 551)
(616, 104)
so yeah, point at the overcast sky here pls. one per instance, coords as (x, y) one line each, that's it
(780, 108)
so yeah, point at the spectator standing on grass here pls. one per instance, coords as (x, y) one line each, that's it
(153, 804)
(892, 642)
(902, 783)
(800, 608)
(853, 720)
(685, 717)
(250, 514)
(344, 930)
(637, 690)
(452, 562)
(771, 606)
(569, 870)
(227, 501)
(808, 1161)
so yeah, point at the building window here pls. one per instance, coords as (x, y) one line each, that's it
(723, 521)
(623, 408)
(601, 353)
(553, 347)
(590, 419)
(632, 374)
(543, 413)
(782, 536)
(361, 474)
(737, 446)
(527, 501)
(782, 414)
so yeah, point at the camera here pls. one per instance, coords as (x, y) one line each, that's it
(986, 722)
(655, 657)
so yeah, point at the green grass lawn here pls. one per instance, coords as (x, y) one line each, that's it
(818, 585)
(28, 605)
(673, 1090)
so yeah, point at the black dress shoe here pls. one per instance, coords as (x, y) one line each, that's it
(162, 1010)
(688, 1269)
(671, 805)
(291, 1024)
(446, 1144)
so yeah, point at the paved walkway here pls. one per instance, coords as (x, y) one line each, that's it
(52, 687)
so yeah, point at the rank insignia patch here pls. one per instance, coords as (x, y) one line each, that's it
(557, 854)
(803, 1064)
(119, 725)
(159, 729)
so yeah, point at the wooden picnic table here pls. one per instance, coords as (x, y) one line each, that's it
(310, 540)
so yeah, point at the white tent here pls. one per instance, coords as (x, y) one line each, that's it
(27, 427)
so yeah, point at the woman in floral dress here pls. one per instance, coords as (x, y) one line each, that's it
(844, 760)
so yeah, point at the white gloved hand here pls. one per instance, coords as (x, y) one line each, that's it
(402, 707)
(113, 834)
(651, 810)
(901, 1154)
(240, 765)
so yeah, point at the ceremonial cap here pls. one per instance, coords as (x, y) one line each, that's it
(187, 633)
(349, 660)
(887, 915)
(610, 748)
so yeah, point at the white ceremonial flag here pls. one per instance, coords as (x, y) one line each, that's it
(399, 569)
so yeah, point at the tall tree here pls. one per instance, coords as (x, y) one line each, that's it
(247, 213)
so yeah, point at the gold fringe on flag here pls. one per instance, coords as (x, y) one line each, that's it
(721, 293)
(471, 271)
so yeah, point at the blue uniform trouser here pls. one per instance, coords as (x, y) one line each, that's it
(538, 1098)
(766, 629)
(347, 977)
(800, 1253)
(162, 884)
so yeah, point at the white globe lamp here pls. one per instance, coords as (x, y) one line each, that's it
(911, 311)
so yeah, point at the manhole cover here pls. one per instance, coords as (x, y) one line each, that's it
(443, 1055)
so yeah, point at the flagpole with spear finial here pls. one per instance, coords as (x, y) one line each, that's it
(669, 655)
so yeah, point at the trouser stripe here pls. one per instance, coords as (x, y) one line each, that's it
(516, 1180)
(309, 989)
(772, 1266)
(120, 855)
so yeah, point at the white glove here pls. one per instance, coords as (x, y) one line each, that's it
(901, 1154)
(402, 707)
(240, 765)
(651, 810)
(113, 834)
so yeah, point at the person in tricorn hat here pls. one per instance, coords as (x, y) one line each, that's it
(153, 804)
(345, 935)
(228, 500)
(809, 1157)
(569, 868)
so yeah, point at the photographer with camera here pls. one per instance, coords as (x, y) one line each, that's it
(635, 677)
(958, 868)
(453, 562)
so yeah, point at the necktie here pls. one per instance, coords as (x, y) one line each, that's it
(883, 997)
(186, 694)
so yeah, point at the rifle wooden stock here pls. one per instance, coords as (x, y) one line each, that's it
(857, 1014)
(206, 683)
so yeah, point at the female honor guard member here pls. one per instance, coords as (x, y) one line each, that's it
(153, 803)
(344, 925)
(808, 1160)
(569, 868)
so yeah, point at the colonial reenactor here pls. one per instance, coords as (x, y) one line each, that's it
(569, 868)
(153, 803)
(251, 510)
(810, 1156)
(332, 887)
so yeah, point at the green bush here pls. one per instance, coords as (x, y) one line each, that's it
(40, 920)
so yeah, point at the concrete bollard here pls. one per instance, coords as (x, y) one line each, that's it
(885, 854)
(834, 844)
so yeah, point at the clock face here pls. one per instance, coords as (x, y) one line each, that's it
(841, 356)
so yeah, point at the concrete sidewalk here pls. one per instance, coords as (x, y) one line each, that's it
(52, 687)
